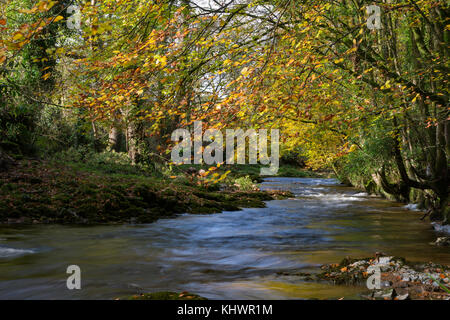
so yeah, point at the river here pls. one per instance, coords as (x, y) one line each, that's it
(231, 255)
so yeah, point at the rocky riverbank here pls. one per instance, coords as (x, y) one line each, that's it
(386, 278)
(389, 278)
(399, 279)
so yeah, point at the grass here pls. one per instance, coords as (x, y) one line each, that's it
(253, 171)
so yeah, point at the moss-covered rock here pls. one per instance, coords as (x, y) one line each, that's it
(164, 296)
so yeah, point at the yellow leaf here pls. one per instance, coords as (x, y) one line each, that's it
(58, 18)
(42, 5)
(18, 36)
(245, 72)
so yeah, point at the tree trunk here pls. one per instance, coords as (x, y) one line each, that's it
(97, 144)
(114, 136)
(131, 140)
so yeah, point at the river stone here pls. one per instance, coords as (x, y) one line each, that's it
(386, 268)
(384, 260)
(358, 263)
(442, 241)
(402, 296)
(383, 294)
(388, 294)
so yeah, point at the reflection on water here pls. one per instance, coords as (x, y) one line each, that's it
(232, 255)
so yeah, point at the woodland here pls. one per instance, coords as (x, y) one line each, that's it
(90, 92)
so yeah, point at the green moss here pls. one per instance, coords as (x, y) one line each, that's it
(72, 194)
(165, 296)
(204, 210)
(210, 196)
(7, 187)
(87, 210)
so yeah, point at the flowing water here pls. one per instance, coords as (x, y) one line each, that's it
(231, 255)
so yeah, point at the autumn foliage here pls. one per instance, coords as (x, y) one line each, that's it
(370, 104)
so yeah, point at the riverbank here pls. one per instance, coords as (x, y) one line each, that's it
(234, 255)
(416, 201)
(398, 278)
(34, 191)
(253, 171)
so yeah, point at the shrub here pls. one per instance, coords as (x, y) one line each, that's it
(244, 183)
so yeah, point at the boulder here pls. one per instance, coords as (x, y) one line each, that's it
(442, 241)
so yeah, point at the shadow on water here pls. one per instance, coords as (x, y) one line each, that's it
(234, 255)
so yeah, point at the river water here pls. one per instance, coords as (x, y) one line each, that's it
(231, 255)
